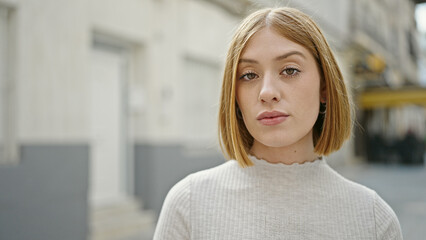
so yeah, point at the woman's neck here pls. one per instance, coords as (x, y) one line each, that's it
(295, 153)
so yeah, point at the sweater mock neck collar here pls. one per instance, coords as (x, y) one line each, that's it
(314, 165)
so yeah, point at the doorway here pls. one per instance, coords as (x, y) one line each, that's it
(108, 124)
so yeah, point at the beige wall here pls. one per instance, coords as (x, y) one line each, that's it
(51, 68)
(164, 37)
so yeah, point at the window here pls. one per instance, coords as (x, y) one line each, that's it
(8, 147)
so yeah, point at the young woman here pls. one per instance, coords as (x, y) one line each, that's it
(283, 106)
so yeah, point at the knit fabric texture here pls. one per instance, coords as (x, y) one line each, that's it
(274, 201)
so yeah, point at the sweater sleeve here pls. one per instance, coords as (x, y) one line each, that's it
(173, 222)
(387, 224)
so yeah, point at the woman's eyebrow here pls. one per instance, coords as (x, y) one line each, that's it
(281, 57)
(242, 60)
(286, 55)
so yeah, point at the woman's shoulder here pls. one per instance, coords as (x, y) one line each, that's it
(386, 222)
(362, 205)
(362, 198)
(199, 182)
(206, 176)
(228, 167)
(348, 186)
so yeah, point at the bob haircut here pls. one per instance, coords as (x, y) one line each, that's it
(330, 129)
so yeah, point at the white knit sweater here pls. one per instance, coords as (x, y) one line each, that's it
(274, 201)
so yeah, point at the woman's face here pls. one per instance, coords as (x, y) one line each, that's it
(278, 91)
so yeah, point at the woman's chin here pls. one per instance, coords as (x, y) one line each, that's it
(274, 143)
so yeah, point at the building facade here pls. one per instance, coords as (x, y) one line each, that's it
(391, 100)
(106, 104)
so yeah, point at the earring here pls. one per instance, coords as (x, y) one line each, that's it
(323, 108)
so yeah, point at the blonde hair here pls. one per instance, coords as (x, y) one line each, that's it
(331, 129)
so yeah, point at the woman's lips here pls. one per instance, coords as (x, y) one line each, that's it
(272, 118)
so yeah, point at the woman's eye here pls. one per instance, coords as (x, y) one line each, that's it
(248, 76)
(290, 71)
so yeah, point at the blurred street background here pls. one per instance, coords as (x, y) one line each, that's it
(106, 104)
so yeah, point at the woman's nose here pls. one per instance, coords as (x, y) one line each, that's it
(269, 91)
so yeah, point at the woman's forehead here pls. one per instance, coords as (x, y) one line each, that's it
(269, 45)
(267, 41)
